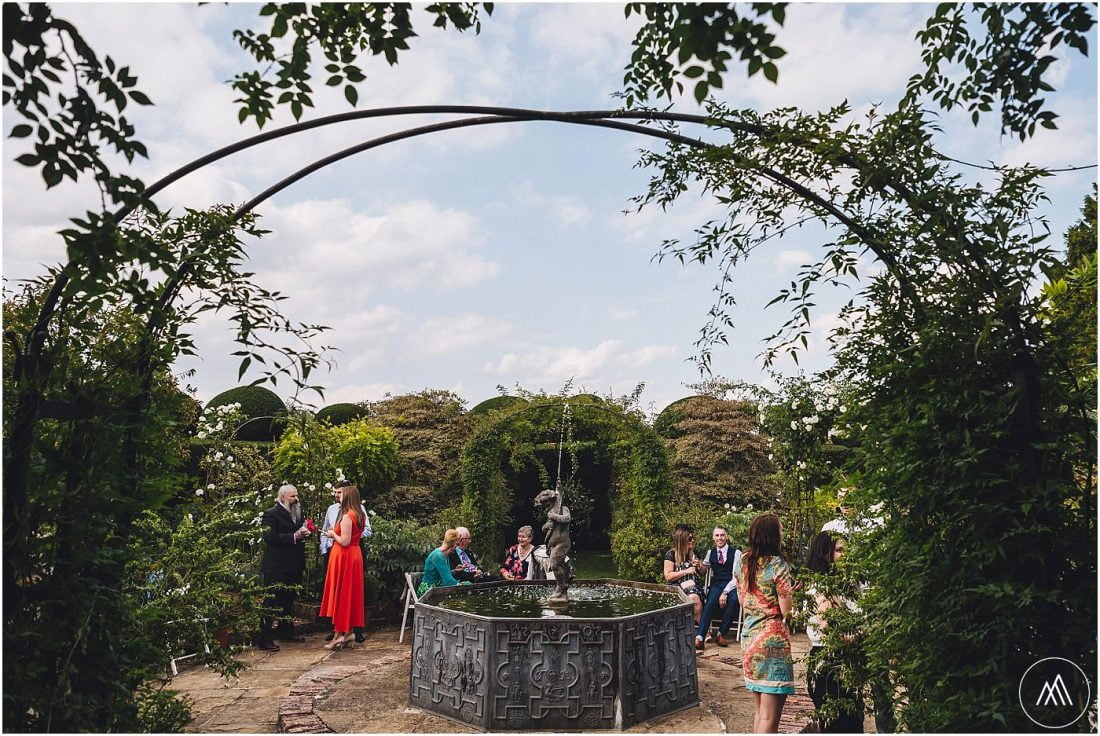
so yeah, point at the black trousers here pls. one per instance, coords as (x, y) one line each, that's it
(823, 683)
(281, 598)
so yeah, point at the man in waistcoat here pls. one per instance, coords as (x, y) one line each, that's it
(721, 560)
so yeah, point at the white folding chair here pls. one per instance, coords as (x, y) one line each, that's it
(412, 582)
(173, 660)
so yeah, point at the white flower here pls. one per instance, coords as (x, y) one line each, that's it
(210, 486)
(748, 507)
(230, 458)
(843, 408)
(771, 456)
(218, 455)
(328, 486)
(727, 507)
(311, 487)
(794, 424)
(370, 513)
(801, 464)
(199, 491)
(256, 521)
(201, 434)
(794, 404)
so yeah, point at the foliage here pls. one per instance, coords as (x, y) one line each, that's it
(360, 451)
(260, 410)
(639, 485)
(67, 544)
(495, 404)
(342, 32)
(430, 428)
(396, 546)
(1007, 62)
(717, 451)
(341, 413)
(58, 85)
(969, 434)
(1070, 297)
(695, 41)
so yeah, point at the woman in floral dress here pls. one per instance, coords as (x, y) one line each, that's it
(764, 590)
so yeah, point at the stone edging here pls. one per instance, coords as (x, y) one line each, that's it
(296, 712)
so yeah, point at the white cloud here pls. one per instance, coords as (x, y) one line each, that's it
(411, 245)
(353, 393)
(605, 361)
(621, 314)
(440, 336)
(787, 259)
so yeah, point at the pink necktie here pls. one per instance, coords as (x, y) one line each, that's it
(721, 557)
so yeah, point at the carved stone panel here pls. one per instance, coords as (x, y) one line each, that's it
(658, 665)
(553, 676)
(448, 672)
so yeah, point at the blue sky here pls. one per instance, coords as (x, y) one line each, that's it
(501, 255)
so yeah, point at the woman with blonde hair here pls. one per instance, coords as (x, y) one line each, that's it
(437, 570)
(764, 589)
(343, 596)
(681, 566)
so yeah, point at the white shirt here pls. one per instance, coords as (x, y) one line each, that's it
(736, 564)
(331, 515)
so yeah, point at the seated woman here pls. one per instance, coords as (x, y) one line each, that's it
(519, 563)
(437, 570)
(682, 565)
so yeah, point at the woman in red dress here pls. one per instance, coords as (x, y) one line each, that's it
(343, 596)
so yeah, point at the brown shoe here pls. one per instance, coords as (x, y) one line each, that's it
(721, 640)
(699, 646)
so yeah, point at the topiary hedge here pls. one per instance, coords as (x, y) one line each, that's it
(336, 414)
(260, 407)
(671, 414)
(496, 404)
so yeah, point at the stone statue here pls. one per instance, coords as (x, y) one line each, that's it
(558, 543)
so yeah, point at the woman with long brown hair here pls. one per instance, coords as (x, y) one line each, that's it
(343, 596)
(682, 565)
(764, 590)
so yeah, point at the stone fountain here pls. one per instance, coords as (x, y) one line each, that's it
(522, 656)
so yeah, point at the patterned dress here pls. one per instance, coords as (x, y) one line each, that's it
(766, 641)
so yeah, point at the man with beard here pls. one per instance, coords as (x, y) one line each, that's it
(284, 562)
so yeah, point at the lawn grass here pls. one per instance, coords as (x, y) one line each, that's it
(594, 564)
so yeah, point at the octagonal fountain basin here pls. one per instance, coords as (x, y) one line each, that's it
(495, 657)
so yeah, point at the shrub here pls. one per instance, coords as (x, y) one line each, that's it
(395, 547)
(496, 404)
(260, 407)
(336, 414)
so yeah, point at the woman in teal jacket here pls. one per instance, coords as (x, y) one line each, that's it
(437, 571)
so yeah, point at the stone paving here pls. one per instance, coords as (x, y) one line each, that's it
(304, 688)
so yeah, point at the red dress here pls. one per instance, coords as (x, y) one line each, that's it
(343, 596)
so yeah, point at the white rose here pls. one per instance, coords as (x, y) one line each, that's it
(198, 491)
(748, 507)
(230, 458)
(794, 424)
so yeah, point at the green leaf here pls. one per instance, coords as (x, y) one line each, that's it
(21, 131)
(351, 94)
(701, 91)
(771, 72)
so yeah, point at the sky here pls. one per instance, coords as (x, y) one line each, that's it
(501, 255)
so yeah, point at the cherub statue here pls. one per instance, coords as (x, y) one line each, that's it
(558, 543)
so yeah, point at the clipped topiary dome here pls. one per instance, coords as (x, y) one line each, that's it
(496, 404)
(336, 414)
(257, 403)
